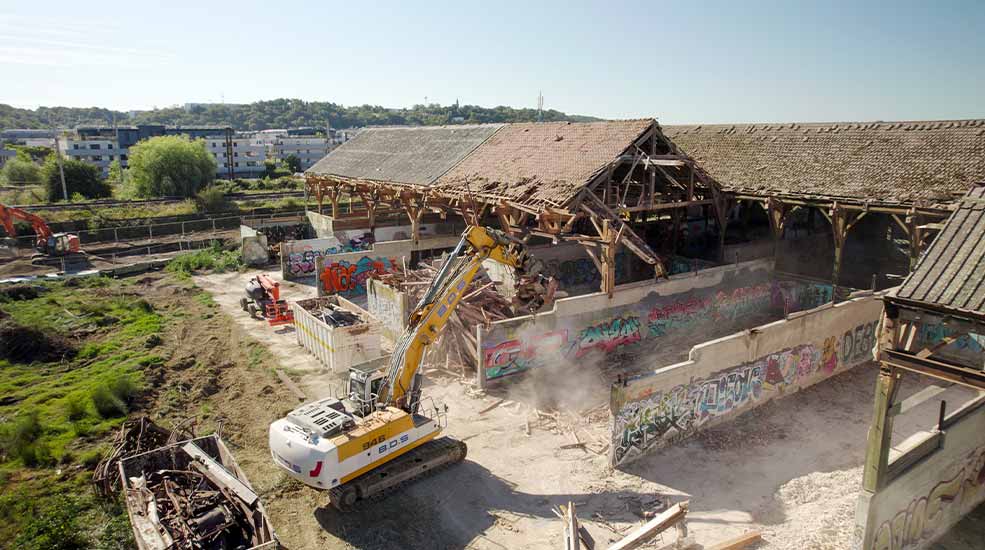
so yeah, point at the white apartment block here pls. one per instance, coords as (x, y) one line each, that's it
(98, 152)
(248, 154)
(310, 149)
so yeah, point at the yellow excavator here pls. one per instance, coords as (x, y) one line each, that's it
(381, 433)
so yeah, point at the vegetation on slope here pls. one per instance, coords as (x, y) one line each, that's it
(58, 408)
(277, 113)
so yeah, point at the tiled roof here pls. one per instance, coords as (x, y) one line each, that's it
(923, 162)
(951, 272)
(409, 155)
(542, 163)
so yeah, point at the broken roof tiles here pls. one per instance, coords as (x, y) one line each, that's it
(542, 163)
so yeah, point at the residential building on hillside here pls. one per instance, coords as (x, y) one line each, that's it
(29, 136)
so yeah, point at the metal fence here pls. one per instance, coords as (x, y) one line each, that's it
(152, 231)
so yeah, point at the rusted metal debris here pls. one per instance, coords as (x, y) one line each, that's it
(136, 435)
(192, 495)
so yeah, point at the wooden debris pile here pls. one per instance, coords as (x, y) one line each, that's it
(192, 495)
(481, 304)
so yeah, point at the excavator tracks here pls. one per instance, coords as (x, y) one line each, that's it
(431, 456)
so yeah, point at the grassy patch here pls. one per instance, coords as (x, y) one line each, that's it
(54, 412)
(214, 258)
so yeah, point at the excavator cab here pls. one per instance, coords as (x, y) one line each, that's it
(59, 244)
(365, 380)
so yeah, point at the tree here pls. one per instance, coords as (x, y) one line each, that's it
(80, 178)
(20, 171)
(293, 163)
(117, 175)
(170, 166)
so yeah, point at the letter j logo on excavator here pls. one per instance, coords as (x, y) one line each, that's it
(317, 470)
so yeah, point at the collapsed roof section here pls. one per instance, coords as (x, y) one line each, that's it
(926, 163)
(545, 164)
(560, 180)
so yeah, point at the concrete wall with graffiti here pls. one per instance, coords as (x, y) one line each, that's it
(726, 377)
(641, 318)
(919, 505)
(346, 273)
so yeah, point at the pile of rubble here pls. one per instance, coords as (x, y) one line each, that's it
(481, 304)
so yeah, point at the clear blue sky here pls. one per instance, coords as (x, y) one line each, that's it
(676, 61)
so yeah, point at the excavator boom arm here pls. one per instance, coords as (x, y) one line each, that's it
(8, 214)
(431, 315)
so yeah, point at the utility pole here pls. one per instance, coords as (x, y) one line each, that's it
(229, 153)
(61, 168)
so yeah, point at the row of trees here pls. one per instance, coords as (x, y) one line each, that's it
(278, 113)
(158, 167)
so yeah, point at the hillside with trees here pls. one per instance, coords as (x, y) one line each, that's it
(277, 113)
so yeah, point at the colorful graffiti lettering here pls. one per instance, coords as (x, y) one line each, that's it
(607, 336)
(301, 263)
(349, 279)
(655, 418)
(690, 312)
(927, 517)
(514, 356)
(857, 344)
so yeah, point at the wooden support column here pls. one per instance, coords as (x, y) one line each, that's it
(415, 211)
(723, 207)
(842, 222)
(334, 192)
(777, 212)
(371, 198)
(881, 430)
(916, 237)
(610, 242)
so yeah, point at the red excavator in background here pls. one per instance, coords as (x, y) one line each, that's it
(48, 243)
(263, 298)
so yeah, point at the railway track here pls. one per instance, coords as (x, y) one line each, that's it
(140, 202)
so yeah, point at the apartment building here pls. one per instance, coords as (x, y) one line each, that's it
(99, 151)
(308, 144)
(244, 153)
(101, 146)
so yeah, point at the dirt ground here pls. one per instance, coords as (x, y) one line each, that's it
(100, 255)
(791, 469)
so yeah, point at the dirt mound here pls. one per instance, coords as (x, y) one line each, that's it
(22, 344)
(11, 293)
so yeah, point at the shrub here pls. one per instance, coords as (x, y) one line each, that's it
(20, 433)
(19, 439)
(75, 407)
(112, 398)
(212, 258)
(80, 177)
(211, 199)
(170, 166)
(20, 171)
